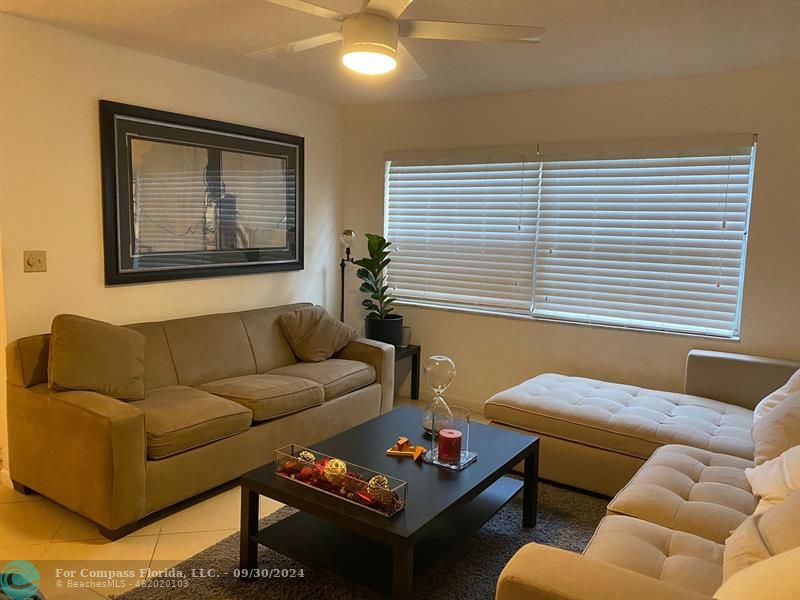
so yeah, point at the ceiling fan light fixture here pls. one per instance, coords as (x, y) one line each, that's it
(369, 44)
(369, 62)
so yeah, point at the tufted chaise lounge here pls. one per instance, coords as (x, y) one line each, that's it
(595, 435)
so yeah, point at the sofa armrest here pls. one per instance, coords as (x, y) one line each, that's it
(735, 378)
(381, 357)
(538, 572)
(84, 450)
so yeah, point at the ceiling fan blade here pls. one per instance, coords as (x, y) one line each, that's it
(310, 8)
(387, 8)
(409, 67)
(299, 46)
(470, 32)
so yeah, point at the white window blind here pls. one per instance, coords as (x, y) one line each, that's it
(644, 242)
(645, 239)
(462, 233)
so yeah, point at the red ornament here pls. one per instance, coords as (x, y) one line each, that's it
(365, 498)
(305, 473)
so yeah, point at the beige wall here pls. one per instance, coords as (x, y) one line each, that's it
(50, 82)
(492, 353)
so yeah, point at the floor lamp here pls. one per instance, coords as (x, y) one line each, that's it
(347, 237)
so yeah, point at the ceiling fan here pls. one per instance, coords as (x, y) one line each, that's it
(370, 37)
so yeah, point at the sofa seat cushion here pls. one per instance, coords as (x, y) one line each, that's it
(178, 418)
(337, 375)
(622, 418)
(268, 396)
(691, 490)
(678, 557)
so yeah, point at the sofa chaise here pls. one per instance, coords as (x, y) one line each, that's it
(222, 392)
(595, 435)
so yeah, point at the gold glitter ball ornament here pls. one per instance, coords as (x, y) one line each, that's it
(378, 488)
(335, 471)
(307, 456)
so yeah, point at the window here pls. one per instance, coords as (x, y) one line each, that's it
(463, 233)
(648, 239)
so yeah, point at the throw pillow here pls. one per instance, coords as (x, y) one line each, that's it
(762, 535)
(774, 578)
(778, 431)
(775, 398)
(775, 479)
(92, 355)
(313, 334)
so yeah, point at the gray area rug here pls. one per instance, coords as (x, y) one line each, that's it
(566, 519)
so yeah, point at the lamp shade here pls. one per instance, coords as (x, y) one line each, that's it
(347, 237)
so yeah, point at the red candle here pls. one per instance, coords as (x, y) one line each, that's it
(450, 446)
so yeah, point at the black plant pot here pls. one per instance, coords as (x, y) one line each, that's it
(389, 330)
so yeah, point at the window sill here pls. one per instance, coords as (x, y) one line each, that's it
(528, 317)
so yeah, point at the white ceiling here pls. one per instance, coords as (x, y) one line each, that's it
(587, 41)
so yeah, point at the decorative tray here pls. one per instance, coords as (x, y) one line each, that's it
(358, 485)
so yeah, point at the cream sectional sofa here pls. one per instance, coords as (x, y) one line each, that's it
(221, 393)
(665, 530)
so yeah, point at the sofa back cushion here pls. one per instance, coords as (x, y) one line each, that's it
(159, 370)
(100, 357)
(313, 334)
(778, 430)
(210, 347)
(775, 398)
(761, 536)
(772, 481)
(270, 347)
(774, 578)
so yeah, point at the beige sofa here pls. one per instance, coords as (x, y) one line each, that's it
(595, 435)
(222, 392)
(664, 533)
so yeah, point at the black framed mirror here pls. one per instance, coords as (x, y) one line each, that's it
(186, 197)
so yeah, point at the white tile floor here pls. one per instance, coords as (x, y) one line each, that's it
(35, 529)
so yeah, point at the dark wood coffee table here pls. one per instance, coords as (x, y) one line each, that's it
(383, 554)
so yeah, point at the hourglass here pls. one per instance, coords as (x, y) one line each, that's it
(439, 374)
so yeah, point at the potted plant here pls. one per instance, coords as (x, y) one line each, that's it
(379, 324)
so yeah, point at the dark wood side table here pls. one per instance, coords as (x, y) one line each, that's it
(401, 352)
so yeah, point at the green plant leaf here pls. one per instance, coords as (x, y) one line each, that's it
(367, 288)
(369, 304)
(366, 275)
(374, 243)
(365, 263)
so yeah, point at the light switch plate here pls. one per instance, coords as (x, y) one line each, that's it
(35, 261)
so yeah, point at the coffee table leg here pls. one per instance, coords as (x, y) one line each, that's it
(248, 548)
(402, 572)
(530, 489)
